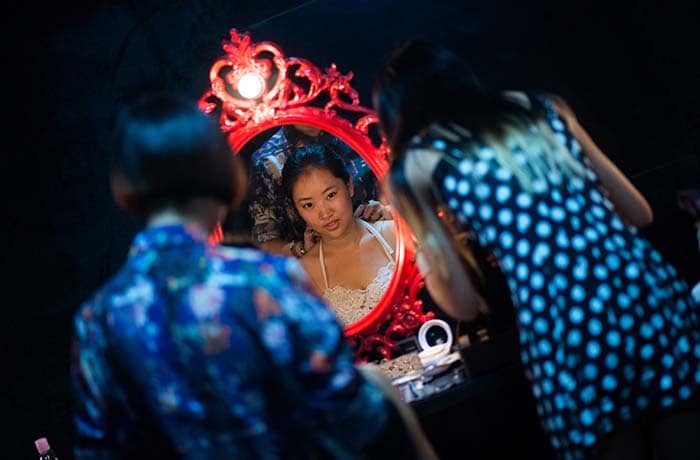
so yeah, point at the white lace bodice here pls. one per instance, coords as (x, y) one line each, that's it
(351, 305)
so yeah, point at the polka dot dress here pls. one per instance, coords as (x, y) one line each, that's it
(607, 328)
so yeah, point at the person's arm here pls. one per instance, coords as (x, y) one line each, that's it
(264, 209)
(282, 247)
(297, 249)
(408, 429)
(90, 378)
(265, 231)
(628, 201)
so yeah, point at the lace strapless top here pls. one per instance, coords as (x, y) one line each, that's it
(351, 305)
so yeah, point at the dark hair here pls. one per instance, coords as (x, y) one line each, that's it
(170, 152)
(424, 83)
(297, 138)
(320, 156)
(689, 201)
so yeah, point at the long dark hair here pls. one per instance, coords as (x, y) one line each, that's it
(425, 84)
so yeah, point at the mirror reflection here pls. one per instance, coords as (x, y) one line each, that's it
(315, 198)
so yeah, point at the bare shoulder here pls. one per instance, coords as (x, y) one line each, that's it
(310, 260)
(313, 268)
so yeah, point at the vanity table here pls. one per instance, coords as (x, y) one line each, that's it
(481, 408)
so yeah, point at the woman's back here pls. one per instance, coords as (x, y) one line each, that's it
(603, 320)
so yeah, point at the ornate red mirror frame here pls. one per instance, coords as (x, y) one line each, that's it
(254, 87)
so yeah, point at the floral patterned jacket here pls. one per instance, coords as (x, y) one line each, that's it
(208, 352)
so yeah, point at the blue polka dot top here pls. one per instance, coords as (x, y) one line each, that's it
(607, 328)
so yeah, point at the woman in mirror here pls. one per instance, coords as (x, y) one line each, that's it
(609, 334)
(276, 227)
(353, 262)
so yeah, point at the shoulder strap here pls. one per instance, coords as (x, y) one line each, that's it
(323, 264)
(388, 251)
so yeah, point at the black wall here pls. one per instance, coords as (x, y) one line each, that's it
(628, 68)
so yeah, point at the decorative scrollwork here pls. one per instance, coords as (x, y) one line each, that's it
(288, 82)
(402, 320)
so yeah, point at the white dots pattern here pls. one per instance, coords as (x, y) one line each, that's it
(502, 194)
(592, 296)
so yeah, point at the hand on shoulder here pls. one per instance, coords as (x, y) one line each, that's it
(373, 211)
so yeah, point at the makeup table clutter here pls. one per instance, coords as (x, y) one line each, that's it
(472, 397)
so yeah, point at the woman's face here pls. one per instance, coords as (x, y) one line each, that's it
(426, 262)
(446, 295)
(435, 287)
(448, 290)
(323, 201)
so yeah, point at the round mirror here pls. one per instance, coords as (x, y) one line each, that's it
(296, 104)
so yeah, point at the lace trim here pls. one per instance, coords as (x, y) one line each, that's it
(351, 305)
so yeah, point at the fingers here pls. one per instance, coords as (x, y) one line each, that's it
(386, 212)
(367, 212)
(370, 212)
(310, 238)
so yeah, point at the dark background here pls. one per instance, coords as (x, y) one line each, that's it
(628, 68)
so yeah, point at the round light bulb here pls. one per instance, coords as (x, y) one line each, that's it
(251, 85)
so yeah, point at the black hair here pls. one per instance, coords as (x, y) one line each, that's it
(170, 152)
(424, 83)
(297, 138)
(420, 209)
(319, 156)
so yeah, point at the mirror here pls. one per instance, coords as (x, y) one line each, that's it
(278, 224)
(259, 95)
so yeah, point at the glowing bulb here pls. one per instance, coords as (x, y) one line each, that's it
(251, 85)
